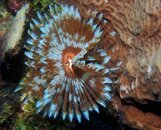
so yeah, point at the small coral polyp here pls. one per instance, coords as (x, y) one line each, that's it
(67, 69)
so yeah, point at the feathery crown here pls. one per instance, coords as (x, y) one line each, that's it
(67, 71)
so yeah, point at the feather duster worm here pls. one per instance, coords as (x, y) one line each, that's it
(66, 69)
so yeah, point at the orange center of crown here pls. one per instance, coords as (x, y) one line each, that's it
(67, 56)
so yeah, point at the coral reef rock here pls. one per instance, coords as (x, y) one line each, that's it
(14, 32)
(137, 118)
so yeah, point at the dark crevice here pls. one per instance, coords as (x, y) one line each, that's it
(13, 68)
(150, 106)
(101, 121)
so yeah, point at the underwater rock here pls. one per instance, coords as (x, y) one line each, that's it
(136, 117)
(138, 24)
(14, 32)
(146, 87)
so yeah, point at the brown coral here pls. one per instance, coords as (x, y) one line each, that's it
(135, 117)
(138, 24)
